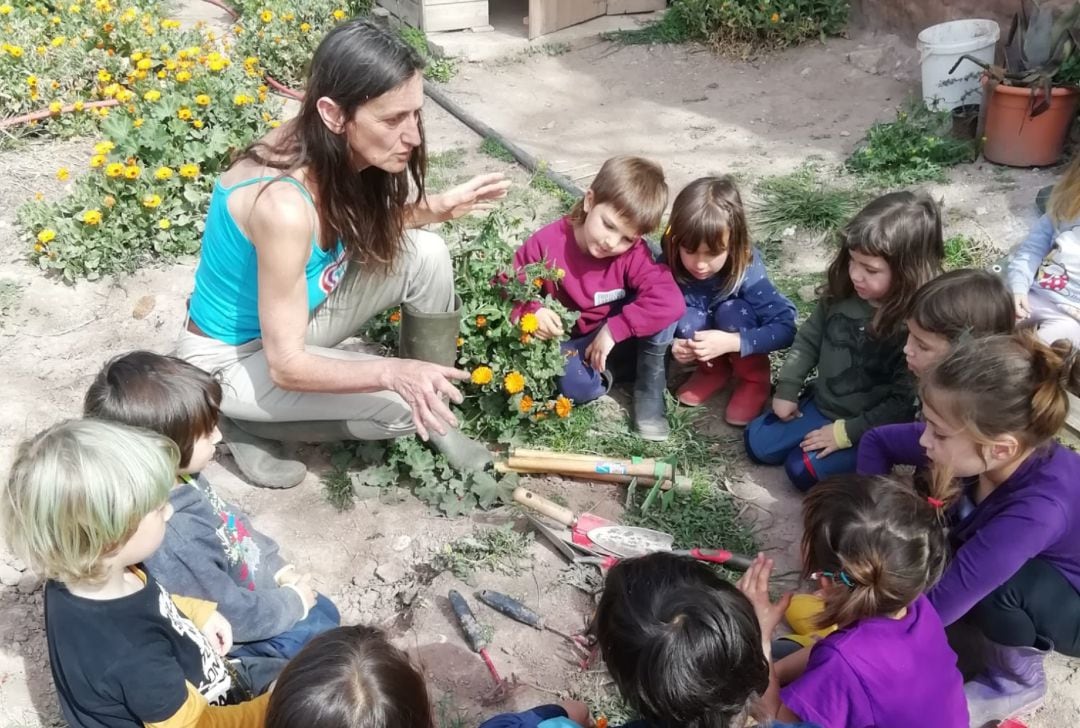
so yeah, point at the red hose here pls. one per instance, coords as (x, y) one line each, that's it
(282, 88)
(45, 113)
(227, 8)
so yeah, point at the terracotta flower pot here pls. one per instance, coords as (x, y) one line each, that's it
(1016, 138)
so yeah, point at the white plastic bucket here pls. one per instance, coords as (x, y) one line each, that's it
(940, 46)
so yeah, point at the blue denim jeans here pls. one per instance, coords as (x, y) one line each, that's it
(771, 441)
(321, 617)
(580, 382)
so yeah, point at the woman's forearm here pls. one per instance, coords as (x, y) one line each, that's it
(304, 371)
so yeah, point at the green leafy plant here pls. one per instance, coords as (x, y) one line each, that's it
(803, 200)
(963, 251)
(915, 148)
(743, 25)
(498, 549)
(438, 68)
(494, 149)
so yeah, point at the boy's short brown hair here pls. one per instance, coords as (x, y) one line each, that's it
(634, 186)
(159, 393)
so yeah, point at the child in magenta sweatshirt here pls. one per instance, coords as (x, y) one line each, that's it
(612, 279)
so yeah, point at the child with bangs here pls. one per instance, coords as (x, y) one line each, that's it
(85, 504)
(211, 550)
(624, 296)
(854, 340)
(734, 316)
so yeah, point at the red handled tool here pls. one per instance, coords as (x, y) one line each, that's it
(473, 632)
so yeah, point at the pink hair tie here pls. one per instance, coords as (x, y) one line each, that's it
(935, 502)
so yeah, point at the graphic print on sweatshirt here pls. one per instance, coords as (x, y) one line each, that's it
(240, 548)
(216, 682)
(873, 360)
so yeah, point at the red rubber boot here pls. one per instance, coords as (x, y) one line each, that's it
(753, 384)
(710, 378)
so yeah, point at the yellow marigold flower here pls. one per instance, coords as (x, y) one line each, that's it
(54, 85)
(132, 171)
(163, 173)
(31, 81)
(101, 112)
(183, 76)
(58, 41)
(275, 124)
(198, 123)
(251, 61)
(129, 15)
(78, 106)
(189, 171)
(339, 14)
(170, 65)
(202, 100)
(145, 64)
(5, 9)
(123, 95)
(538, 282)
(481, 375)
(97, 160)
(34, 95)
(74, 8)
(774, 18)
(137, 56)
(163, 73)
(513, 382)
(266, 15)
(529, 323)
(138, 122)
(525, 405)
(63, 173)
(481, 322)
(39, 248)
(242, 100)
(164, 223)
(152, 95)
(305, 27)
(55, 20)
(563, 406)
(110, 90)
(102, 6)
(460, 342)
(151, 201)
(109, 201)
(218, 65)
(55, 108)
(39, 196)
(91, 217)
(46, 236)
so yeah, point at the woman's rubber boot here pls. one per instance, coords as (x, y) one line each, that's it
(1013, 683)
(650, 409)
(432, 337)
(753, 384)
(708, 379)
(263, 462)
(313, 431)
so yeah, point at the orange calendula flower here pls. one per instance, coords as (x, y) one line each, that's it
(601, 722)
(395, 317)
(538, 282)
(481, 322)
(526, 339)
(513, 382)
(529, 323)
(525, 405)
(481, 375)
(775, 18)
(563, 406)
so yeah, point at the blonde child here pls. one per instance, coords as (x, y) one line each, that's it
(957, 306)
(734, 315)
(612, 280)
(210, 549)
(350, 677)
(85, 504)
(854, 339)
(872, 546)
(991, 410)
(1041, 272)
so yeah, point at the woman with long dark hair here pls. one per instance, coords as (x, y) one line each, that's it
(313, 230)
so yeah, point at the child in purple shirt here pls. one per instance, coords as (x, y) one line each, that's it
(611, 278)
(992, 408)
(873, 547)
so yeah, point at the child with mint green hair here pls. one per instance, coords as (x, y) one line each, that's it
(85, 504)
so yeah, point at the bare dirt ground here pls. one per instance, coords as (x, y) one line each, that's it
(692, 111)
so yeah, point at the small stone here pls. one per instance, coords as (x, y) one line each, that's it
(390, 572)
(872, 60)
(9, 575)
(714, 84)
(788, 232)
(408, 596)
(28, 583)
(143, 307)
(981, 211)
(805, 72)
(401, 543)
(845, 133)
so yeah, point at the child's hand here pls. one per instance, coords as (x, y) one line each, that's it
(707, 345)
(822, 439)
(755, 585)
(1023, 306)
(286, 575)
(680, 349)
(596, 353)
(218, 630)
(577, 711)
(305, 590)
(550, 325)
(785, 409)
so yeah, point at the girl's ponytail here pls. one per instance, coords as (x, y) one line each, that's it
(1054, 373)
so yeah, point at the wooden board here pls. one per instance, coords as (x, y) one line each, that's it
(409, 11)
(454, 14)
(1072, 422)
(622, 7)
(547, 16)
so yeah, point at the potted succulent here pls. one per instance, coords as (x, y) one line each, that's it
(1030, 102)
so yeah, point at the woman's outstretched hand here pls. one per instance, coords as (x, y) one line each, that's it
(476, 195)
(426, 387)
